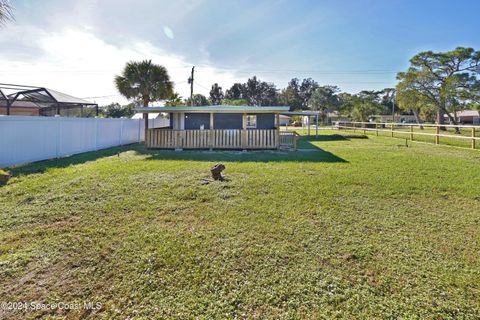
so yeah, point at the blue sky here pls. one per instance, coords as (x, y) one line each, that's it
(78, 46)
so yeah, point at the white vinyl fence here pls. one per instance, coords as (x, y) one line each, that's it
(28, 139)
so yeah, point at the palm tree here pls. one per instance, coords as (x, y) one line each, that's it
(175, 100)
(145, 82)
(5, 11)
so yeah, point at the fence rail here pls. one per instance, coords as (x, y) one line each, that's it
(420, 132)
(219, 139)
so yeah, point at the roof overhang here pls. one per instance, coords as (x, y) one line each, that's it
(139, 115)
(215, 109)
(301, 113)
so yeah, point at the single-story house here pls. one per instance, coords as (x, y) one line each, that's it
(23, 108)
(468, 116)
(384, 118)
(219, 127)
(285, 120)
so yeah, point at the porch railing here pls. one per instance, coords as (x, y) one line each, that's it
(218, 139)
(288, 139)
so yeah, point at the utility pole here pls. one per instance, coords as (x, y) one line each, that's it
(393, 110)
(393, 106)
(190, 81)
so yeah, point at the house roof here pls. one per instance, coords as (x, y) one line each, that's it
(465, 113)
(215, 109)
(468, 113)
(301, 113)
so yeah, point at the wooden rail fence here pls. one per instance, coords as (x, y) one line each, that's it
(219, 139)
(470, 134)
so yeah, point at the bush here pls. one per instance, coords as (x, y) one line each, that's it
(115, 110)
(4, 177)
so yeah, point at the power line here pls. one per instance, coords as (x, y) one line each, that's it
(99, 97)
(118, 95)
(313, 72)
(202, 86)
(316, 71)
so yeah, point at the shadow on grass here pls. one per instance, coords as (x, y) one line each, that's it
(306, 142)
(239, 156)
(42, 166)
(316, 154)
(333, 137)
(308, 152)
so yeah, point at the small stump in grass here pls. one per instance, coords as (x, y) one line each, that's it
(4, 177)
(217, 171)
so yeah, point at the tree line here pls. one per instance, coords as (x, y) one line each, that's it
(434, 87)
(304, 94)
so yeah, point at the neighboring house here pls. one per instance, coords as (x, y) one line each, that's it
(399, 118)
(285, 120)
(20, 108)
(219, 127)
(39, 101)
(327, 118)
(468, 117)
(465, 117)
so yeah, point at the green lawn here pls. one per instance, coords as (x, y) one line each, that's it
(356, 227)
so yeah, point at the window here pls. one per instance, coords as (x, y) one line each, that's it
(251, 121)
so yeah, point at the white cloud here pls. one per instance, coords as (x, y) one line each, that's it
(77, 62)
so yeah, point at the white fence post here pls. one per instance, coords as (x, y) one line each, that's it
(121, 132)
(96, 133)
(139, 130)
(57, 138)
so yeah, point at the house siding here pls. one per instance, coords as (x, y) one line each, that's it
(20, 111)
(227, 120)
(234, 120)
(265, 120)
(193, 121)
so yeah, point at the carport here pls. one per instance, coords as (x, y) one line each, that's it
(307, 114)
